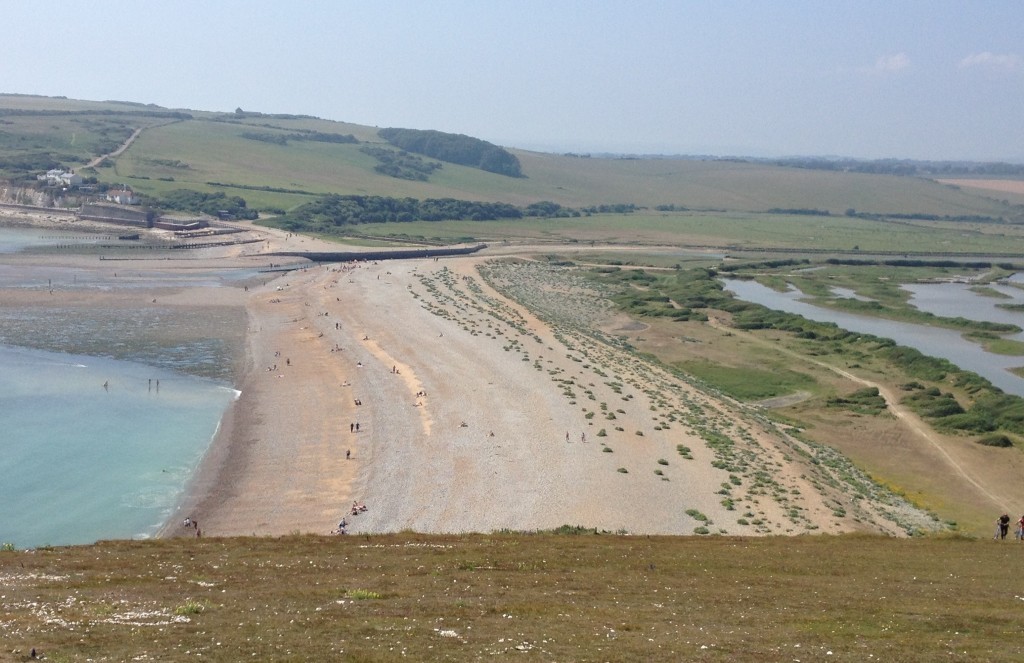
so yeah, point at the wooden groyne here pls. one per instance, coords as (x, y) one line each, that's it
(391, 254)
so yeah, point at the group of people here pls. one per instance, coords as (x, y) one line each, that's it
(357, 508)
(193, 524)
(1003, 527)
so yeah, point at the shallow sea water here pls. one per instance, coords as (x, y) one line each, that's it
(81, 462)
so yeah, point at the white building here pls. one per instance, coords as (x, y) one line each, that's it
(122, 197)
(58, 177)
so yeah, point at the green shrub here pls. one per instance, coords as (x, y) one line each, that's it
(361, 594)
(995, 440)
(190, 608)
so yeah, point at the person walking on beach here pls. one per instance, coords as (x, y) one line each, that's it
(1004, 525)
(1020, 529)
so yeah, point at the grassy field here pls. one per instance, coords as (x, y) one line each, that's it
(732, 231)
(217, 152)
(539, 596)
(220, 154)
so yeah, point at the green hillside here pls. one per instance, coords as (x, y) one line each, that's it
(206, 151)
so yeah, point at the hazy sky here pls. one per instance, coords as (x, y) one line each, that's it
(923, 79)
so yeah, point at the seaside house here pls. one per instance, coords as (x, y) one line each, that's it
(122, 197)
(71, 179)
(58, 177)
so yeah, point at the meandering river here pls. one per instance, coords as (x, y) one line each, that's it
(942, 299)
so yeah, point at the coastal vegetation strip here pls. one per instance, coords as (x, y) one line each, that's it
(575, 306)
(694, 294)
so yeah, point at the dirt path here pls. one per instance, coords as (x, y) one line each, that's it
(116, 153)
(126, 144)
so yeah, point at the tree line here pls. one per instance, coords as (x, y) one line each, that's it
(186, 200)
(282, 139)
(906, 167)
(328, 213)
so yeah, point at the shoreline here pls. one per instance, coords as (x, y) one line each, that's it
(416, 388)
(274, 466)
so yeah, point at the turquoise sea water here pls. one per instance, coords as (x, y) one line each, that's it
(81, 462)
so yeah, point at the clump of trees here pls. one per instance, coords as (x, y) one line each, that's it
(26, 165)
(198, 202)
(455, 148)
(400, 164)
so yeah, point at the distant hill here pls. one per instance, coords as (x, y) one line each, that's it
(278, 162)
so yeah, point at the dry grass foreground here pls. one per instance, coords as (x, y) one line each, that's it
(543, 597)
(463, 412)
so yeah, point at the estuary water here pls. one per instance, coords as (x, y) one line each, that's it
(93, 447)
(932, 341)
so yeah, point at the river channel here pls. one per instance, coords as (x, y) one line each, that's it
(947, 299)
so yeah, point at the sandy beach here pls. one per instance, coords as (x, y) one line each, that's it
(417, 389)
